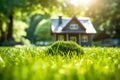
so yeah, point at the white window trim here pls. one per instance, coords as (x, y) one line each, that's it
(74, 26)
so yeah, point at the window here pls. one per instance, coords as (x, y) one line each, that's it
(74, 26)
(60, 37)
(73, 38)
(84, 38)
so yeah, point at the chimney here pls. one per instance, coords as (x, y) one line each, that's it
(60, 20)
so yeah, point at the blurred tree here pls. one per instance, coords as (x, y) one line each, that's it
(8, 9)
(106, 18)
(34, 20)
(42, 11)
(19, 30)
(7, 12)
(43, 31)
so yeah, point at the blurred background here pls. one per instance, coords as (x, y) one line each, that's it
(27, 22)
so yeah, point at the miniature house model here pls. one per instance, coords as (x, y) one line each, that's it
(75, 29)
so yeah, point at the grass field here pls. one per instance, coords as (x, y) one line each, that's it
(33, 63)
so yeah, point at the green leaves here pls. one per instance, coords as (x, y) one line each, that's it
(43, 28)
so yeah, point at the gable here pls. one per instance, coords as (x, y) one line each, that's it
(74, 24)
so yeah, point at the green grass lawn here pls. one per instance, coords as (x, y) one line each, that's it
(33, 63)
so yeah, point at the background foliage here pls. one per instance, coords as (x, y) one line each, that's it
(103, 13)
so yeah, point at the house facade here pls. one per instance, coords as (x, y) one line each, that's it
(75, 29)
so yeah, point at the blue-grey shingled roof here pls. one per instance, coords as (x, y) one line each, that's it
(56, 28)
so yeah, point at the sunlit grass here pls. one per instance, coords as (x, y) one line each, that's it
(32, 63)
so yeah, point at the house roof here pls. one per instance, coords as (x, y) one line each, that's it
(58, 28)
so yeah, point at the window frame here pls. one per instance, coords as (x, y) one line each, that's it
(73, 26)
(73, 38)
(61, 37)
(85, 38)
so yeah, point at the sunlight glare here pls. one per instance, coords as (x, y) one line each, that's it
(81, 2)
(74, 2)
